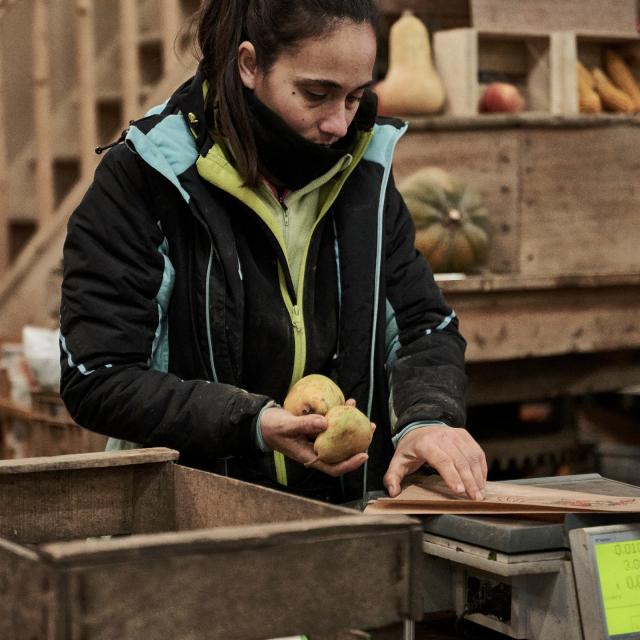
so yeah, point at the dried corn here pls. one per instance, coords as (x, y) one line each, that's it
(613, 98)
(622, 77)
(588, 100)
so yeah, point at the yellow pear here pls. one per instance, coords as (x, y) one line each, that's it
(348, 432)
(314, 393)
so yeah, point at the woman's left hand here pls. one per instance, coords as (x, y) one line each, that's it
(451, 451)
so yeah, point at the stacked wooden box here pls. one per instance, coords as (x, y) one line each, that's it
(189, 554)
(46, 429)
(534, 45)
(556, 310)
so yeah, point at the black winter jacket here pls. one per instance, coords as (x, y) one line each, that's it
(179, 318)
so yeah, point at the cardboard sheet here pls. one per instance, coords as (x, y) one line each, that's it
(430, 495)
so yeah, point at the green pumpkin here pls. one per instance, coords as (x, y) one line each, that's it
(452, 225)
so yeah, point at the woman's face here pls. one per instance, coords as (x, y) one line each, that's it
(316, 88)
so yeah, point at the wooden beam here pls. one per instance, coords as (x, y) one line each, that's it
(544, 16)
(554, 377)
(76, 461)
(129, 61)
(42, 110)
(87, 86)
(4, 169)
(171, 19)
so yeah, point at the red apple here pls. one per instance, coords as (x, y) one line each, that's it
(501, 97)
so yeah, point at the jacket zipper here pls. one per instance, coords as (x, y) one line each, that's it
(285, 216)
(299, 336)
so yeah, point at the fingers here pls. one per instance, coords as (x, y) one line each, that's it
(350, 402)
(310, 425)
(400, 466)
(340, 468)
(452, 452)
(461, 463)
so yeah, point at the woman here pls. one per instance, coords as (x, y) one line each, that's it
(248, 233)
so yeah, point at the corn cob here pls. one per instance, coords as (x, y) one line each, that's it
(588, 100)
(622, 77)
(613, 98)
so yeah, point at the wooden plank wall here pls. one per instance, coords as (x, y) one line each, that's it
(580, 201)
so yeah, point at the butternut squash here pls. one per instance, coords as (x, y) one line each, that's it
(412, 85)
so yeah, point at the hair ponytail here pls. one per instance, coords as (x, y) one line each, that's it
(272, 26)
(221, 29)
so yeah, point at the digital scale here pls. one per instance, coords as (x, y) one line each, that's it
(540, 578)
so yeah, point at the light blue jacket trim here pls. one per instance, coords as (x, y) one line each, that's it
(158, 109)
(392, 337)
(382, 145)
(416, 425)
(160, 347)
(81, 368)
(446, 321)
(380, 150)
(169, 148)
(159, 359)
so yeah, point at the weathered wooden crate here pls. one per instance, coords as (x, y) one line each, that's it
(614, 17)
(562, 192)
(189, 555)
(543, 67)
(25, 433)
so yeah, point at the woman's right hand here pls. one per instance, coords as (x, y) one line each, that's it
(293, 436)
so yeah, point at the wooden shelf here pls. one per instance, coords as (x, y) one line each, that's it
(534, 120)
(515, 282)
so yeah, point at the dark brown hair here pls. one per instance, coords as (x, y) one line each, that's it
(272, 26)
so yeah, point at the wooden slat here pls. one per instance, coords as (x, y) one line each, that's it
(170, 27)
(544, 16)
(42, 110)
(523, 120)
(27, 605)
(129, 61)
(553, 377)
(98, 460)
(456, 58)
(245, 582)
(87, 86)
(231, 502)
(4, 168)
(525, 324)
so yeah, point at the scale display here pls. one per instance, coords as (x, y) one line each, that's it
(617, 557)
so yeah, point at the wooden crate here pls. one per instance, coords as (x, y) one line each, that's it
(562, 192)
(613, 17)
(543, 67)
(25, 433)
(189, 555)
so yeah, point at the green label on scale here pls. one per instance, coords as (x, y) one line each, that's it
(619, 571)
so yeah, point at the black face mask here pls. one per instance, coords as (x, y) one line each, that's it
(287, 159)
